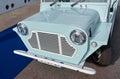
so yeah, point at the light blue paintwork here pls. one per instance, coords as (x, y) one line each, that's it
(66, 30)
(101, 8)
(100, 30)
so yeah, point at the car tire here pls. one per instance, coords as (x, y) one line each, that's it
(102, 56)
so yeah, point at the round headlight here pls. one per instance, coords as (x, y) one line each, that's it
(77, 37)
(22, 29)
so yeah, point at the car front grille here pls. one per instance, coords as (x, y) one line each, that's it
(52, 43)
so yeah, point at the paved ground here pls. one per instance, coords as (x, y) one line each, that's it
(36, 70)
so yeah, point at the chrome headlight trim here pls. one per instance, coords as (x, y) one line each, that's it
(78, 37)
(22, 29)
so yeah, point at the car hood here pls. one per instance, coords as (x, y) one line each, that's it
(69, 16)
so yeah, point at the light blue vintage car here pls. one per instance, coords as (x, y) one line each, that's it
(65, 33)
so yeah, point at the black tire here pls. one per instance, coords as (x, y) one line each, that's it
(103, 56)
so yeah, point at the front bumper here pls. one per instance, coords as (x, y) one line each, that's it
(79, 68)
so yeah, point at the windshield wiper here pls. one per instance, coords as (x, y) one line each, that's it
(53, 3)
(72, 5)
(56, 2)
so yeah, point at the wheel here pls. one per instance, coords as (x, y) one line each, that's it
(102, 56)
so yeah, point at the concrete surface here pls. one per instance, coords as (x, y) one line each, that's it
(36, 70)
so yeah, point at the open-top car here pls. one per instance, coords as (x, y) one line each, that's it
(65, 33)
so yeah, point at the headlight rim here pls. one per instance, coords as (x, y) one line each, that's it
(83, 35)
(22, 29)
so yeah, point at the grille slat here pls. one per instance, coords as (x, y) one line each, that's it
(33, 41)
(49, 42)
(66, 48)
